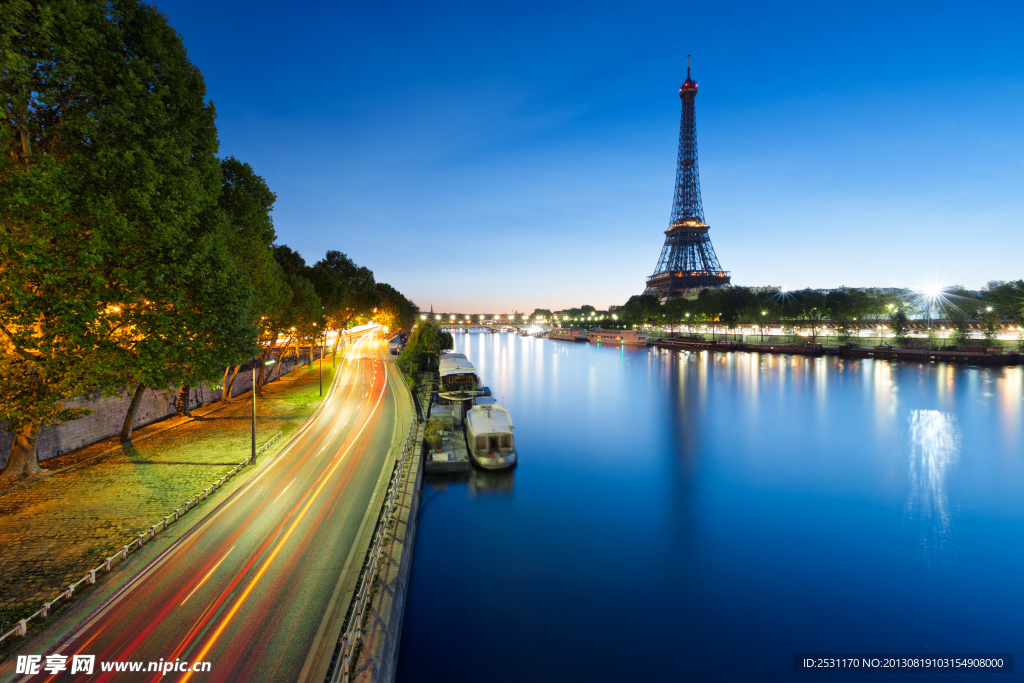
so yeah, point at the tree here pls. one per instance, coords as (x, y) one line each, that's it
(203, 323)
(811, 310)
(394, 310)
(347, 291)
(299, 319)
(677, 308)
(245, 204)
(990, 324)
(640, 308)
(961, 333)
(108, 165)
(1006, 298)
(899, 324)
(428, 339)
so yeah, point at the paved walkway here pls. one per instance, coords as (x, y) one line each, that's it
(92, 501)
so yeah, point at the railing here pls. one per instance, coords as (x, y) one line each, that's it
(275, 437)
(354, 629)
(136, 543)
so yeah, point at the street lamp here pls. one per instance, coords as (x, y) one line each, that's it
(252, 457)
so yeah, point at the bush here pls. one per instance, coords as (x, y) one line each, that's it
(961, 333)
(425, 342)
(433, 432)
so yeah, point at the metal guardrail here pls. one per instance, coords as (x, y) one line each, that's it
(354, 630)
(136, 543)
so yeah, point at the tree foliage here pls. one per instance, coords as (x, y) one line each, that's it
(246, 204)
(107, 171)
(426, 341)
(129, 254)
(394, 310)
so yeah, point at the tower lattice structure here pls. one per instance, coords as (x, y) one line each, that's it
(688, 260)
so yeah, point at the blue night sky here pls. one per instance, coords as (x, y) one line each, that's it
(486, 157)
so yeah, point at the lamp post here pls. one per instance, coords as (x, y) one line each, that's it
(323, 347)
(252, 456)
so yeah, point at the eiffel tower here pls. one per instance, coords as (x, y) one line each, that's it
(688, 260)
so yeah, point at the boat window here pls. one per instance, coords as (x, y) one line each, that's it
(506, 441)
(494, 443)
(481, 443)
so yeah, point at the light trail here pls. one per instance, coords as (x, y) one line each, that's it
(254, 633)
(208, 575)
(277, 549)
(289, 485)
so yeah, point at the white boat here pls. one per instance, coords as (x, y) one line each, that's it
(567, 334)
(458, 377)
(619, 337)
(489, 437)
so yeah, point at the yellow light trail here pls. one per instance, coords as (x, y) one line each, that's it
(207, 576)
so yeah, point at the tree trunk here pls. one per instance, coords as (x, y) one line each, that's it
(225, 392)
(280, 360)
(129, 419)
(181, 405)
(229, 384)
(23, 461)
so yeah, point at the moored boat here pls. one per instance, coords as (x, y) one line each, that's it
(489, 437)
(568, 334)
(619, 337)
(458, 378)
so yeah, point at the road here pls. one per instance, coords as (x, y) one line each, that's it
(247, 589)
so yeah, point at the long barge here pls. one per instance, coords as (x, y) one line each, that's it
(925, 356)
(568, 334)
(798, 349)
(693, 343)
(879, 352)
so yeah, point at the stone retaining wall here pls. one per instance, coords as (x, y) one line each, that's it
(108, 413)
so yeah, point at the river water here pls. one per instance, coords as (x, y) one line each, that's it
(704, 516)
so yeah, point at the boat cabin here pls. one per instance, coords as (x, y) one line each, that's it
(489, 436)
(457, 374)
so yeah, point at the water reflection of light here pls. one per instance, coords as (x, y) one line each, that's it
(883, 387)
(1010, 392)
(934, 449)
(702, 376)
